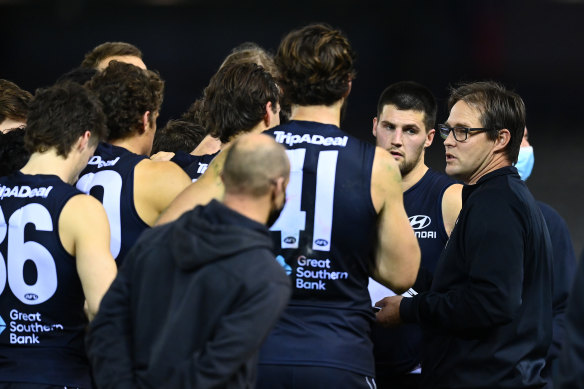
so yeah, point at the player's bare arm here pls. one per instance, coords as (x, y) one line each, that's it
(451, 205)
(88, 239)
(156, 185)
(397, 253)
(209, 186)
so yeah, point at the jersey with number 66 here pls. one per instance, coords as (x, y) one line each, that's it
(42, 323)
(323, 239)
(109, 177)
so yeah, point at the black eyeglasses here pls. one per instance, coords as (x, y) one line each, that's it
(460, 133)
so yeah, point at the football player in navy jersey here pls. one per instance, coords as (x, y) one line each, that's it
(214, 115)
(133, 189)
(54, 245)
(342, 194)
(404, 126)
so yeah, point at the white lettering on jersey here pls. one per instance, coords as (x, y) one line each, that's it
(96, 160)
(24, 191)
(289, 139)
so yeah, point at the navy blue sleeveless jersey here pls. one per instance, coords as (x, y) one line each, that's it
(109, 177)
(323, 239)
(42, 323)
(397, 350)
(193, 165)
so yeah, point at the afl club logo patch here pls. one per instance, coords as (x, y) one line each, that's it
(290, 240)
(320, 242)
(420, 221)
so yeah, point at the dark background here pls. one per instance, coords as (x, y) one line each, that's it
(533, 47)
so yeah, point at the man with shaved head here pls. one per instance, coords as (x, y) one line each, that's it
(227, 290)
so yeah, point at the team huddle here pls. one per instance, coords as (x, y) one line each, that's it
(252, 243)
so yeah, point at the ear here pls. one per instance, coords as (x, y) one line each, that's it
(350, 85)
(429, 138)
(271, 119)
(83, 142)
(280, 187)
(375, 127)
(503, 139)
(145, 121)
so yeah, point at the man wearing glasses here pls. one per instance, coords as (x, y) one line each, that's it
(488, 315)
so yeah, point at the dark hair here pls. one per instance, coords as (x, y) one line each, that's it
(178, 135)
(250, 52)
(78, 75)
(316, 64)
(409, 95)
(13, 154)
(499, 108)
(59, 115)
(13, 101)
(195, 115)
(109, 49)
(127, 92)
(236, 98)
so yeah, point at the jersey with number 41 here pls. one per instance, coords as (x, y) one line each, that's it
(323, 239)
(109, 177)
(42, 323)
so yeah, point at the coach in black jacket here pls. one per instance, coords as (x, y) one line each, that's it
(488, 315)
(196, 298)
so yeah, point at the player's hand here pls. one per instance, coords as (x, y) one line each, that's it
(162, 156)
(388, 316)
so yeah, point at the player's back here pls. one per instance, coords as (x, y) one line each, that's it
(109, 177)
(323, 239)
(42, 323)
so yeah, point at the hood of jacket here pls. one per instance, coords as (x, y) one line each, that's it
(212, 232)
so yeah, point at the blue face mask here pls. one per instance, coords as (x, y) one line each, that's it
(525, 162)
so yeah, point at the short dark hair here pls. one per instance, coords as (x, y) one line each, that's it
(13, 154)
(194, 114)
(499, 108)
(409, 95)
(13, 101)
(236, 98)
(59, 115)
(316, 64)
(109, 49)
(126, 93)
(79, 75)
(178, 135)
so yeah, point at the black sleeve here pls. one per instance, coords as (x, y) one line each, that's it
(237, 337)
(491, 246)
(564, 265)
(572, 355)
(109, 338)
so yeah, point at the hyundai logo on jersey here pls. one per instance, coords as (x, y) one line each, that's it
(420, 221)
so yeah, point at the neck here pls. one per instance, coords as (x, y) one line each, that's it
(257, 129)
(136, 144)
(51, 163)
(326, 114)
(256, 209)
(414, 176)
(497, 161)
(209, 145)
